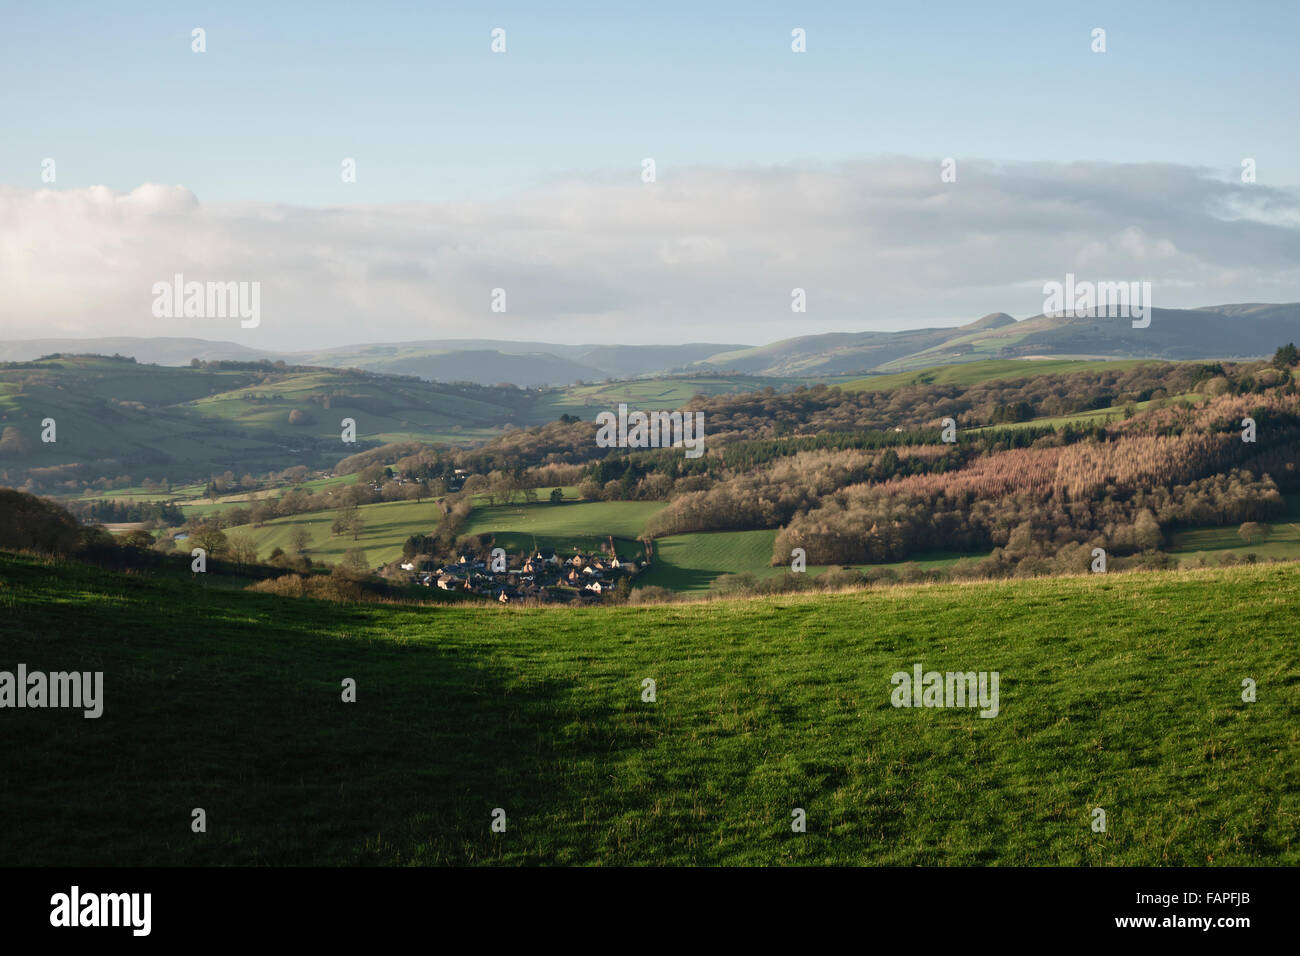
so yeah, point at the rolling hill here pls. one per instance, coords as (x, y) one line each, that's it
(119, 417)
(1231, 331)
(1213, 332)
(482, 361)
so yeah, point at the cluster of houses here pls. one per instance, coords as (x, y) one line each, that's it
(540, 576)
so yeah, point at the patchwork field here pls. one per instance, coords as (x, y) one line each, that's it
(1282, 540)
(387, 526)
(1122, 693)
(622, 519)
(694, 562)
(655, 394)
(1095, 416)
(572, 524)
(191, 496)
(985, 370)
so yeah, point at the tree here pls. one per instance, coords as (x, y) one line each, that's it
(241, 548)
(343, 521)
(262, 512)
(209, 537)
(1286, 356)
(622, 591)
(354, 562)
(504, 486)
(1216, 386)
(557, 495)
(1146, 531)
(233, 517)
(139, 538)
(1251, 531)
(299, 539)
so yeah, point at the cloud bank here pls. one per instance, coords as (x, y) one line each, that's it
(704, 254)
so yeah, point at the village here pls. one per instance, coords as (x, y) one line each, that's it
(538, 576)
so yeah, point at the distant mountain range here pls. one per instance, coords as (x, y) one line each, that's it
(1241, 331)
(482, 361)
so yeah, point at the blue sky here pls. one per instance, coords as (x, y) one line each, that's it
(776, 170)
(412, 91)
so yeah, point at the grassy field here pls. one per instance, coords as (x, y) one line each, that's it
(1121, 693)
(985, 370)
(654, 394)
(688, 562)
(387, 526)
(384, 410)
(1098, 416)
(210, 420)
(110, 412)
(622, 519)
(694, 562)
(572, 526)
(191, 499)
(1283, 540)
(584, 525)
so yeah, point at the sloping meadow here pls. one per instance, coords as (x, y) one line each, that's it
(683, 734)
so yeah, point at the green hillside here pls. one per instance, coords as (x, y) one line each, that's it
(1223, 332)
(1121, 692)
(694, 562)
(572, 525)
(987, 370)
(622, 519)
(117, 417)
(387, 526)
(568, 527)
(385, 409)
(654, 394)
(1281, 542)
(1095, 416)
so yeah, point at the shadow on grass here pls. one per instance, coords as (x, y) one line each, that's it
(232, 703)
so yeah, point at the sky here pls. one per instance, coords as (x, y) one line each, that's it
(523, 170)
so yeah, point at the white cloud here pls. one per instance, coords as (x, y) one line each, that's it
(703, 254)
